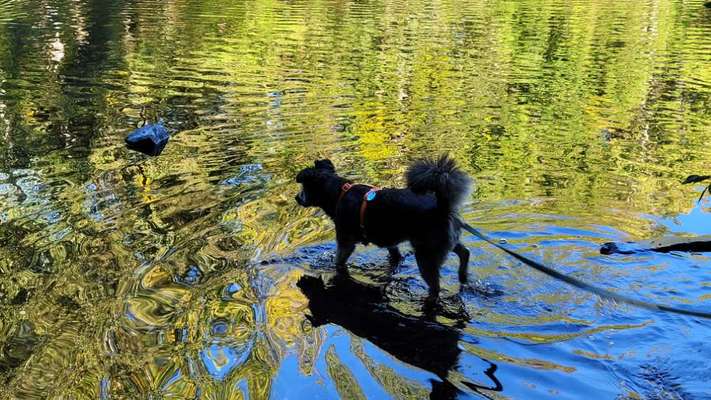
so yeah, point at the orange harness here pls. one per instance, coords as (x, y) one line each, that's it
(368, 197)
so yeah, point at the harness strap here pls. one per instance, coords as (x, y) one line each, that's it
(344, 189)
(369, 196)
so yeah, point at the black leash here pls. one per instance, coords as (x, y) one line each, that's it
(604, 293)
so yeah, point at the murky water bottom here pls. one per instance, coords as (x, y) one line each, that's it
(195, 275)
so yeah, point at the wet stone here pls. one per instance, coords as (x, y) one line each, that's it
(149, 139)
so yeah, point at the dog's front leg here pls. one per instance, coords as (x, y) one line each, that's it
(344, 250)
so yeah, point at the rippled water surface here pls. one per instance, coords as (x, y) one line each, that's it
(127, 277)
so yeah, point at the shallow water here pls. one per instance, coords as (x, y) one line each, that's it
(123, 276)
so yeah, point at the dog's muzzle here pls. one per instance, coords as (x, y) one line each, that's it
(301, 199)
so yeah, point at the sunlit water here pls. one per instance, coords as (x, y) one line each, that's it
(123, 276)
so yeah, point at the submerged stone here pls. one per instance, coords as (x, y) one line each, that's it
(149, 139)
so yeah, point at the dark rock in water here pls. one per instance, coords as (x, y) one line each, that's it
(149, 139)
(609, 248)
(707, 4)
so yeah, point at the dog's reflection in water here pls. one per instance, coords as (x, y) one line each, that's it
(363, 310)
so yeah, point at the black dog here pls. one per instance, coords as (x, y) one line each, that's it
(425, 213)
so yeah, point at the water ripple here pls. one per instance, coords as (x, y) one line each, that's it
(123, 276)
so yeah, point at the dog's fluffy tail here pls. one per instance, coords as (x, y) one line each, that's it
(441, 176)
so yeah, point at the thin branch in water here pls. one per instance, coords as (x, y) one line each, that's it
(696, 179)
(707, 188)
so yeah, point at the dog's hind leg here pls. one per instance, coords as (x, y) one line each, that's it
(463, 254)
(343, 251)
(429, 262)
(395, 257)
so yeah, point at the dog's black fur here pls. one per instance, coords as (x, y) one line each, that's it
(424, 213)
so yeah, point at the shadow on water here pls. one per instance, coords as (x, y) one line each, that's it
(422, 342)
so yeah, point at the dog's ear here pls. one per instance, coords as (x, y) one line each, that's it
(325, 164)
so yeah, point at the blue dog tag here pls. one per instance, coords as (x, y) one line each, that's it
(370, 196)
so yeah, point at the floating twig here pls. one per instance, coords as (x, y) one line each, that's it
(696, 179)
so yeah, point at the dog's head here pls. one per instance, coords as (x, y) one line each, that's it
(311, 286)
(312, 182)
